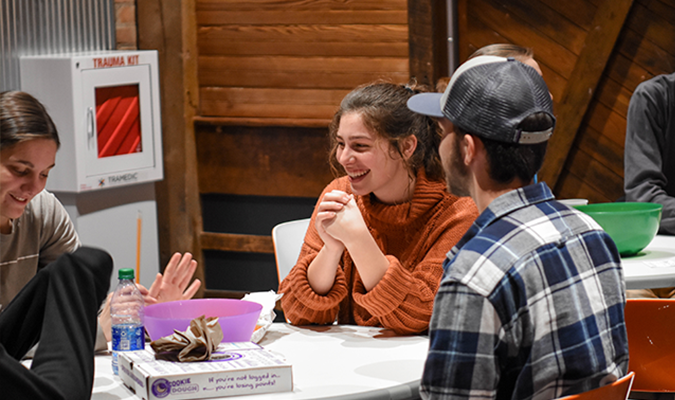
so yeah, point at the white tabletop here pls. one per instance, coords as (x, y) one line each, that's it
(653, 267)
(338, 361)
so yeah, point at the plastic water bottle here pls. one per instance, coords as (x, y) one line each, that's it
(126, 311)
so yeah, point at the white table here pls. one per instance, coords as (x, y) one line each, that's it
(653, 267)
(337, 361)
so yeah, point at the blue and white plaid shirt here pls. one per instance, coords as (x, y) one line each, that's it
(530, 306)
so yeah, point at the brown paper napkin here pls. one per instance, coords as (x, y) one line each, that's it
(197, 343)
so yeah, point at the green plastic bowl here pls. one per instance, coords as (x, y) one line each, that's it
(632, 226)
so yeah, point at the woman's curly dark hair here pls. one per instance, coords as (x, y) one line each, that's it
(383, 109)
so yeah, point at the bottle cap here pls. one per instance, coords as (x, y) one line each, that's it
(126, 273)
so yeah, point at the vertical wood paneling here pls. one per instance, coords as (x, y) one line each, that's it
(50, 27)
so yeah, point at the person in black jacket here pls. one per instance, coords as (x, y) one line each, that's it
(58, 308)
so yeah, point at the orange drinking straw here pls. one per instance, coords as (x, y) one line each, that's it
(138, 247)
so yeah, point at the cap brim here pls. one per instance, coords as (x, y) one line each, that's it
(427, 104)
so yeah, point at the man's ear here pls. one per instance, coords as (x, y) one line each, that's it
(469, 146)
(408, 146)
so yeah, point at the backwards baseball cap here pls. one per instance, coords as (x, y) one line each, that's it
(489, 96)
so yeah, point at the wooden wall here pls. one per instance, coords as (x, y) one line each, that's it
(645, 48)
(631, 41)
(291, 62)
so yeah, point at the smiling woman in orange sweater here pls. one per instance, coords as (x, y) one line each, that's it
(375, 246)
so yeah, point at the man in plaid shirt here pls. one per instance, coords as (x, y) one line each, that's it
(531, 303)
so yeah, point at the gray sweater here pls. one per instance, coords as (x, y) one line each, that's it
(39, 236)
(649, 160)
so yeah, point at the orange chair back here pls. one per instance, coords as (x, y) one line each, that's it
(617, 390)
(651, 343)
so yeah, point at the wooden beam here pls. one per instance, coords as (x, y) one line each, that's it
(462, 39)
(607, 24)
(427, 28)
(237, 242)
(169, 26)
(263, 122)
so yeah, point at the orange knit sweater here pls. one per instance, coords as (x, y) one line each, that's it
(415, 236)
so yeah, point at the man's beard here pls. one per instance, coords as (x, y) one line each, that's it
(456, 173)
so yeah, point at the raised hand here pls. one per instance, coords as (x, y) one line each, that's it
(168, 287)
(172, 285)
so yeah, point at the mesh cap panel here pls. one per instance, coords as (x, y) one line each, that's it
(490, 100)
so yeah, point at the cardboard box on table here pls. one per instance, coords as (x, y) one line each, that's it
(245, 368)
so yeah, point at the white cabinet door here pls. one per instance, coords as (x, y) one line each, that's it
(118, 119)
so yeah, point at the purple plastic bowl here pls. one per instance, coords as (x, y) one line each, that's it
(237, 318)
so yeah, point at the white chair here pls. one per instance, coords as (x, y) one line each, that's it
(288, 238)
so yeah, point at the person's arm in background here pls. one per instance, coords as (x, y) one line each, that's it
(648, 136)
